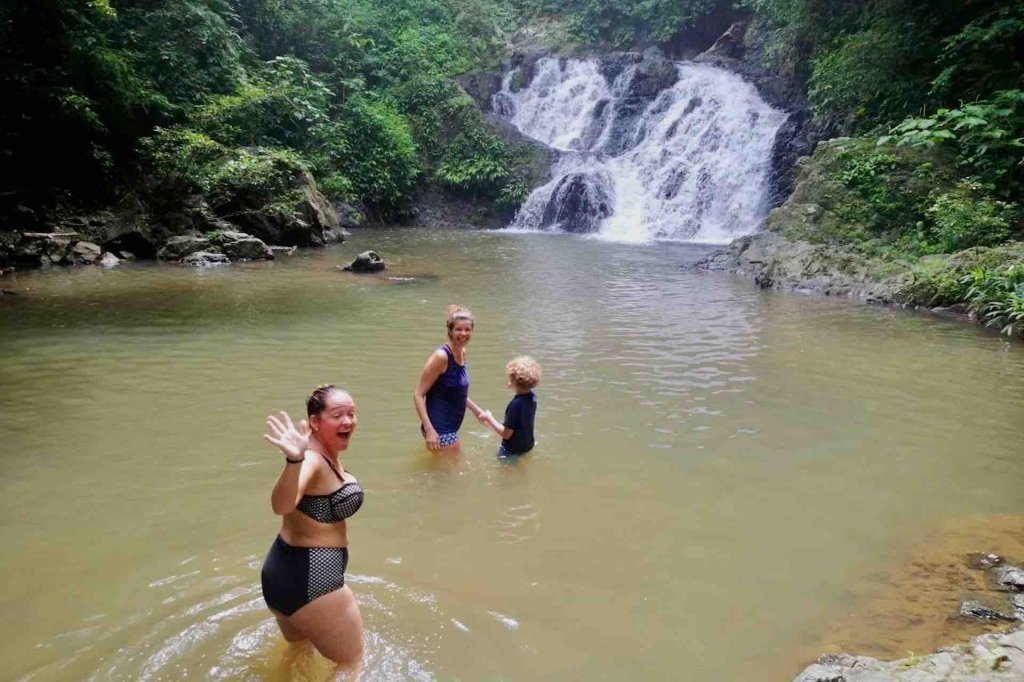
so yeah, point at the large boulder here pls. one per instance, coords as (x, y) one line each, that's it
(306, 222)
(84, 253)
(36, 250)
(367, 261)
(182, 246)
(239, 245)
(247, 248)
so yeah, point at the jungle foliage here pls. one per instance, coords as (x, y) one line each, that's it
(351, 90)
(362, 94)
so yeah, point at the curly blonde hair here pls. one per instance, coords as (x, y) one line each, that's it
(523, 371)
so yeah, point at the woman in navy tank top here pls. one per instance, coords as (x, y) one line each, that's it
(442, 395)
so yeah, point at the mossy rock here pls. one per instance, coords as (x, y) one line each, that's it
(855, 192)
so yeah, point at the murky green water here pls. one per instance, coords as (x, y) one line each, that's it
(714, 463)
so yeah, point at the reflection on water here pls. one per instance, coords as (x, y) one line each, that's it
(719, 471)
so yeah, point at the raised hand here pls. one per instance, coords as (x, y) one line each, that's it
(285, 436)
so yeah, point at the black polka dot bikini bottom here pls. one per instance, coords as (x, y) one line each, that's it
(294, 576)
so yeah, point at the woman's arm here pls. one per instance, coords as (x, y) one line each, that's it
(437, 363)
(290, 486)
(474, 408)
(292, 442)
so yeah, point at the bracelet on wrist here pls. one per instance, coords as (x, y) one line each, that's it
(294, 461)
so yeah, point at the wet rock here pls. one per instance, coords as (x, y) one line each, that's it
(205, 259)
(1011, 577)
(481, 86)
(1018, 605)
(579, 203)
(109, 260)
(975, 609)
(987, 657)
(349, 217)
(239, 245)
(43, 249)
(182, 246)
(774, 262)
(979, 561)
(133, 243)
(650, 78)
(731, 43)
(248, 248)
(305, 224)
(84, 253)
(367, 261)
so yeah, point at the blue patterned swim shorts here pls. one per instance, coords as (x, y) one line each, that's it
(446, 439)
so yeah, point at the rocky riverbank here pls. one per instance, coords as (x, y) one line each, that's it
(936, 594)
(171, 227)
(985, 658)
(834, 235)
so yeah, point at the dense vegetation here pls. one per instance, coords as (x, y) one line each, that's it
(212, 95)
(215, 97)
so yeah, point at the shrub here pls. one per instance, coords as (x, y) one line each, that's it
(374, 148)
(965, 217)
(280, 109)
(988, 136)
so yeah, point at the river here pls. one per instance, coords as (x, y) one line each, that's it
(716, 465)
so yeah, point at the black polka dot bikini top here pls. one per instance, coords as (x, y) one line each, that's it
(335, 507)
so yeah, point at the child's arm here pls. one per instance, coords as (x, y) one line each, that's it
(487, 418)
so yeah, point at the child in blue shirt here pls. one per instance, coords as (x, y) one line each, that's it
(517, 430)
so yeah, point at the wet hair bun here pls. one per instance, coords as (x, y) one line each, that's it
(454, 309)
(317, 400)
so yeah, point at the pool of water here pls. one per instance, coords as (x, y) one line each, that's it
(715, 464)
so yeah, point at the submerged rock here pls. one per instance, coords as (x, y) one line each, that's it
(975, 609)
(980, 560)
(367, 261)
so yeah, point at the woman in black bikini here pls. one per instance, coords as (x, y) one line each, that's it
(304, 572)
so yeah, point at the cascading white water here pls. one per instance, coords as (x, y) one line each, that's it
(691, 164)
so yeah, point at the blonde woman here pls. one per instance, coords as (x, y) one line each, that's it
(442, 395)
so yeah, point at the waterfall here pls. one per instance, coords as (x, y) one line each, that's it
(644, 154)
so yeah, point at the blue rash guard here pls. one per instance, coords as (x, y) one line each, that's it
(519, 416)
